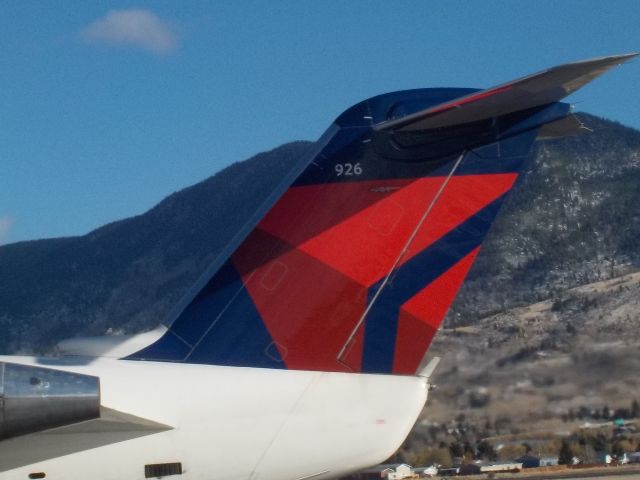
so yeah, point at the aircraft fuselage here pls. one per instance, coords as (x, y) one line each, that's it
(221, 422)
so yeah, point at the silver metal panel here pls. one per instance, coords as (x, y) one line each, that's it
(33, 399)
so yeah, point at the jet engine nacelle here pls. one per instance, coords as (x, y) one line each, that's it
(33, 399)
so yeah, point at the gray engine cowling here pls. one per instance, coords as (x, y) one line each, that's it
(33, 399)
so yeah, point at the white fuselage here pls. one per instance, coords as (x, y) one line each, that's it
(235, 423)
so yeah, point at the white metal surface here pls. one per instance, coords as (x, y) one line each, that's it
(235, 423)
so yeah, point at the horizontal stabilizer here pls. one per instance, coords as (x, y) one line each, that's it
(112, 427)
(531, 91)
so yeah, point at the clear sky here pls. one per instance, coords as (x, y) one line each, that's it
(107, 107)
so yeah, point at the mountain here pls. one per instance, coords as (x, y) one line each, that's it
(573, 219)
(126, 276)
(533, 374)
(537, 362)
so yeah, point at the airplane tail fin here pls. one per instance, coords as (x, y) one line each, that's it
(353, 262)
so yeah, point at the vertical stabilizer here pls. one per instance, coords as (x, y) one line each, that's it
(353, 263)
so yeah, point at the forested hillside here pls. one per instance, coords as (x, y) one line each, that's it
(574, 218)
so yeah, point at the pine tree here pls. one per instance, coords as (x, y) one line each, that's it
(486, 451)
(565, 457)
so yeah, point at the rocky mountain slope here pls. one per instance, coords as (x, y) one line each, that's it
(541, 361)
(573, 219)
(530, 376)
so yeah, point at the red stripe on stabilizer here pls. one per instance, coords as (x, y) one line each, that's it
(471, 98)
(365, 246)
(421, 316)
(304, 212)
(308, 308)
(463, 197)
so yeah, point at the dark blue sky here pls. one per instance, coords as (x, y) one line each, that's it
(107, 107)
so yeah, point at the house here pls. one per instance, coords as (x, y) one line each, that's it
(431, 471)
(394, 471)
(529, 461)
(604, 457)
(501, 467)
(634, 457)
(400, 472)
(449, 471)
(549, 461)
(469, 469)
